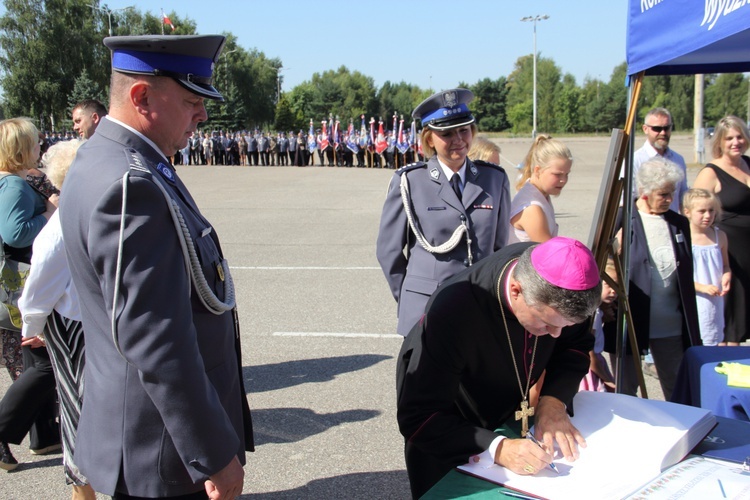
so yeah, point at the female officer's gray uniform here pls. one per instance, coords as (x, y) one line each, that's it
(424, 227)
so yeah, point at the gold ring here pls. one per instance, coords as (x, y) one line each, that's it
(528, 468)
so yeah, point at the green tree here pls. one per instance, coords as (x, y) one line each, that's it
(401, 98)
(39, 70)
(300, 102)
(85, 88)
(489, 105)
(726, 94)
(47, 47)
(134, 22)
(567, 106)
(342, 93)
(519, 116)
(609, 109)
(548, 86)
(248, 81)
(590, 105)
(673, 92)
(520, 92)
(284, 119)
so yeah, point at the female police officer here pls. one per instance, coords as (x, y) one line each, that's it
(442, 215)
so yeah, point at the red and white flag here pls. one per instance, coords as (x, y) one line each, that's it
(381, 144)
(323, 142)
(166, 20)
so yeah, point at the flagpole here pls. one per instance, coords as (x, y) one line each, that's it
(371, 148)
(162, 21)
(335, 132)
(395, 148)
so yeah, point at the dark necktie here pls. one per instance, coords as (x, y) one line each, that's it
(456, 184)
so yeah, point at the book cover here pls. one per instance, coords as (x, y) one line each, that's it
(727, 441)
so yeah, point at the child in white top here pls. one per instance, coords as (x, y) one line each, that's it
(710, 262)
(545, 173)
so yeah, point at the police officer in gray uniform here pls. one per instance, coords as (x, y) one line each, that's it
(165, 412)
(442, 215)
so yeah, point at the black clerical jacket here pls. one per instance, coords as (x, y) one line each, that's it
(455, 375)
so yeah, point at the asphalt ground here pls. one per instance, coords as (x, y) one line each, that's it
(318, 322)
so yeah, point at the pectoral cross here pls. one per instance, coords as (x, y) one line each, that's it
(523, 415)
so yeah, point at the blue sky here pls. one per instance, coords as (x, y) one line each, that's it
(430, 43)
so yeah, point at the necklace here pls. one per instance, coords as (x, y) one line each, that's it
(526, 411)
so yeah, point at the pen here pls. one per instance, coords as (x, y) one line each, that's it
(534, 440)
(517, 495)
(723, 493)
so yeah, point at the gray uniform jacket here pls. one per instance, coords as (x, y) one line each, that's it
(413, 276)
(170, 409)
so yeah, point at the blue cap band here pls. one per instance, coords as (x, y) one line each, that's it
(147, 62)
(442, 113)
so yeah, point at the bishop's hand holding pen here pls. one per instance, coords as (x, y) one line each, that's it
(529, 456)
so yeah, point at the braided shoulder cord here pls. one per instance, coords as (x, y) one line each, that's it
(453, 241)
(206, 295)
(192, 264)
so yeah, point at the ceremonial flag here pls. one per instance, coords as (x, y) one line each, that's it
(362, 133)
(372, 132)
(323, 144)
(166, 20)
(351, 140)
(311, 145)
(381, 144)
(403, 142)
(394, 130)
(336, 133)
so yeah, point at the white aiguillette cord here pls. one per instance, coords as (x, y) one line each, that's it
(192, 264)
(453, 241)
(525, 410)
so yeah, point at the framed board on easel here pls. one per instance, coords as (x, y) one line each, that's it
(615, 179)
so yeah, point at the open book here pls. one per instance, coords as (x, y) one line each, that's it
(629, 442)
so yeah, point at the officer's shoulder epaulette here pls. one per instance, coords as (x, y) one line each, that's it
(410, 167)
(137, 163)
(482, 163)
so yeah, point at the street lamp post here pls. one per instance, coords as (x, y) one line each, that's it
(226, 72)
(109, 12)
(278, 82)
(534, 19)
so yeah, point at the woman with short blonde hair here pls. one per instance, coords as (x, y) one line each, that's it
(19, 142)
(23, 214)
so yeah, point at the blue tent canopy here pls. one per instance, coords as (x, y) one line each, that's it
(672, 37)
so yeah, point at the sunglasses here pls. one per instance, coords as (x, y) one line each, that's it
(659, 130)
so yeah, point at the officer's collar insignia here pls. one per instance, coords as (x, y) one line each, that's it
(474, 170)
(166, 172)
(434, 173)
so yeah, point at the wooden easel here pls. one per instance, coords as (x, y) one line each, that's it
(617, 180)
